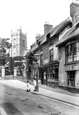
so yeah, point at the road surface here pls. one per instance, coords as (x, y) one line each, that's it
(18, 102)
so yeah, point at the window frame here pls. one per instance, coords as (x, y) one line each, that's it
(74, 56)
(71, 78)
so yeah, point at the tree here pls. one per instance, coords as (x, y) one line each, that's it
(30, 59)
(4, 56)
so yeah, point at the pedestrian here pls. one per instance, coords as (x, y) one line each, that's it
(28, 86)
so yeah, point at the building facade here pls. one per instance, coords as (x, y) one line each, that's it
(69, 53)
(19, 43)
(48, 58)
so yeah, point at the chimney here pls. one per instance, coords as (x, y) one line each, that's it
(74, 11)
(47, 28)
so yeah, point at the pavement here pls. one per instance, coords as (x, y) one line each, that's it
(69, 99)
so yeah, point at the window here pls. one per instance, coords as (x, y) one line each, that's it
(76, 51)
(53, 73)
(56, 73)
(51, 55)
(69, 53)
(72, 52)
(71, 78)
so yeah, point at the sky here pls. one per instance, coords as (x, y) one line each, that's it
(31, 15)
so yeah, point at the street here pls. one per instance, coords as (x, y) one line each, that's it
(18, 102)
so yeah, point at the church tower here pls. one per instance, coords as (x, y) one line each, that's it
(19, 43)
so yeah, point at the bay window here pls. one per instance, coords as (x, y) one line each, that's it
(72, 52)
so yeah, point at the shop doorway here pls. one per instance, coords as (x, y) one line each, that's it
(44, 77)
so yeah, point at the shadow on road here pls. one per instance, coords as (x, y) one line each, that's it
(10, 109)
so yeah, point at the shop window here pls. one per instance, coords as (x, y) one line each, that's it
(51, 55)
(53, 73)
(71, 78)
(72, 52)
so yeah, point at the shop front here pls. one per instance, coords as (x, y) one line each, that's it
(53, 76)
(49, 74)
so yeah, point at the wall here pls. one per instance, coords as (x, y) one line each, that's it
(55, 49)
(46, 53)
(62, 73)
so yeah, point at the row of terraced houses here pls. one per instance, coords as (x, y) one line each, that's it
(58, 51)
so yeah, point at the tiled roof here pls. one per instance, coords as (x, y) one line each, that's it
(57, 29)
(74, 31)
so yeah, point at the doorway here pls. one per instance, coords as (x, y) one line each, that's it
(44, 76)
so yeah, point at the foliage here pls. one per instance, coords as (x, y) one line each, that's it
(30, 58)
(4, 45)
